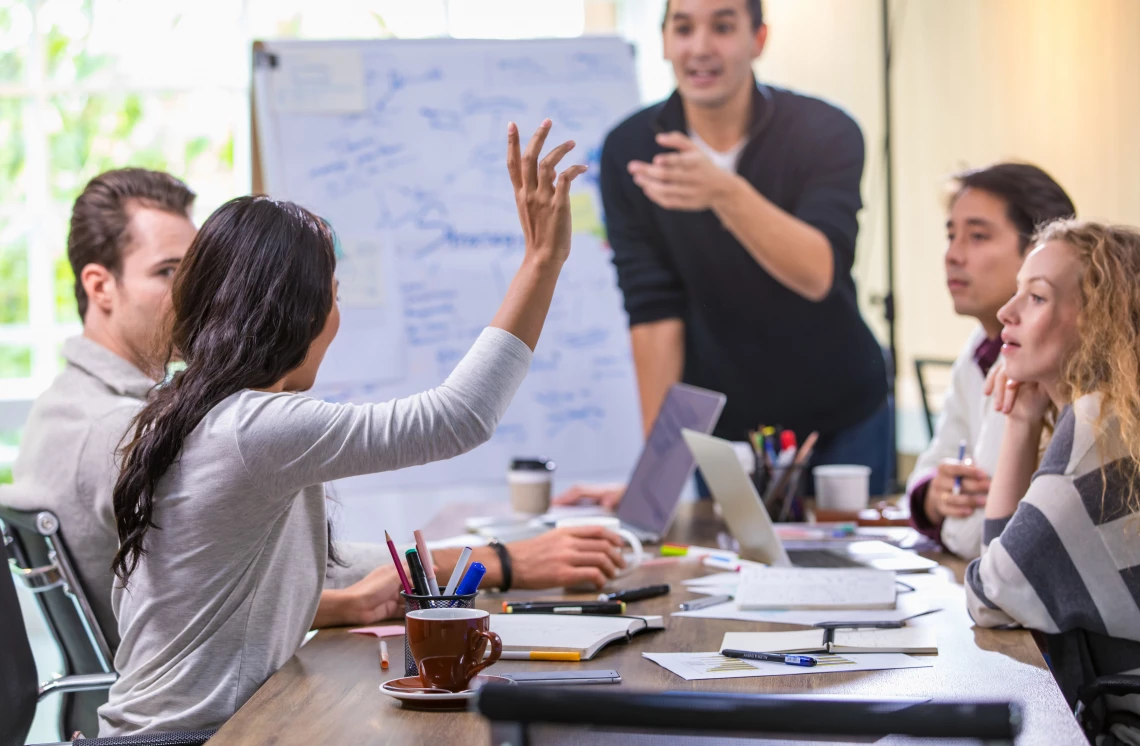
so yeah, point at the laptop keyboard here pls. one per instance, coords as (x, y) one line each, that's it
(820, 558)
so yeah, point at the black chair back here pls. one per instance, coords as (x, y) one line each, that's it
(513, 709)
(37, 553)
(18, 682)
(933, 379)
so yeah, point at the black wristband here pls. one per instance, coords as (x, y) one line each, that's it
(504, 563)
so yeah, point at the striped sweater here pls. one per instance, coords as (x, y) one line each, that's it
(1067, 563)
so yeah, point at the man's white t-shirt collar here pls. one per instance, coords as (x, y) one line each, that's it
(724, 160)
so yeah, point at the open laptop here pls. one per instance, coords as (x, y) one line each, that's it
(665, 464)
(751, 526)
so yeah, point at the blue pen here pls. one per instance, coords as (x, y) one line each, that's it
(961, 455)
(790, 660)
(472, 579)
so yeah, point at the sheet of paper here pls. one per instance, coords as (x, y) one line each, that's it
(319, 81)
(815, 588)
(722, 579)
(700, 666)
(908, 604)
(389, 630)
(774, 642)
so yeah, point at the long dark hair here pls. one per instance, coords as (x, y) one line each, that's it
(252, 293)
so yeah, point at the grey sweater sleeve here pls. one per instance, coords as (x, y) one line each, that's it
(291, 441)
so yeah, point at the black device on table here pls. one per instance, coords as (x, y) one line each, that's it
(563, 678)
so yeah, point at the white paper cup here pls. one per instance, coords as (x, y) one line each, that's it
(530, 485)
(842, 487)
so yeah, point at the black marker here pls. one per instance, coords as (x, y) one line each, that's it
(636, 594)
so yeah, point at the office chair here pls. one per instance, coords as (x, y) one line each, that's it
(38, 556)
(1081, 661)
(513, 710)
(932, 387)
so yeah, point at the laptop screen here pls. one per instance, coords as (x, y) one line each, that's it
(666, 463)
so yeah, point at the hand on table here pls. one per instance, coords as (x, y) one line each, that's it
(566, 557)
(941, 502)
(606, 495)
(684, 180)
(374, 598)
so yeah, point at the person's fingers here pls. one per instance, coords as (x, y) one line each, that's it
(980, 500)
(656, 171)
(1012, 389)
(954, 468)
(675, 140)
(600, 560)
(547, 165)
(974, 486)
(562, 189)
(530, 156)
(570, 496)
(583, 575)
(514, 158)
(594, 545)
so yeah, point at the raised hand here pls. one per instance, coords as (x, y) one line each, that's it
(543, 203)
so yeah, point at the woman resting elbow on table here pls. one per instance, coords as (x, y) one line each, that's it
(1061, 547)
(220, 506)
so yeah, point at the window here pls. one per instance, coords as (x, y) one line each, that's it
(88, 85)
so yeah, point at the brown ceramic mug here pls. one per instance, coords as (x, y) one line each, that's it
(449, 644)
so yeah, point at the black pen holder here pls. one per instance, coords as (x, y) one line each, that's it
(419, 603)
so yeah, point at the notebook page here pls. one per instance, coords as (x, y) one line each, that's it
(903, 640)
(800, 641)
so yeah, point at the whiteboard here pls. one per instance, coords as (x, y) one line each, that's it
(401, 145)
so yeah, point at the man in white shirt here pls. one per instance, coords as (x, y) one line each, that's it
(993, 214)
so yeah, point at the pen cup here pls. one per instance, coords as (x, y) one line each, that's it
(419, 603)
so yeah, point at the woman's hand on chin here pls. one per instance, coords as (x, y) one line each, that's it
(1022, 401)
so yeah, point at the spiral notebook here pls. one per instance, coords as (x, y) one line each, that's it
(910, 640)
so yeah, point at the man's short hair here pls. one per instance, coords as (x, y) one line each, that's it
(755, 10)
(1032, 197)
(100, 219)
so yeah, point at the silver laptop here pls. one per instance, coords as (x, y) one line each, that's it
(749, 523)
(664, 466)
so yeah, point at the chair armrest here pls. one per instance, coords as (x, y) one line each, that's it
(85, 682)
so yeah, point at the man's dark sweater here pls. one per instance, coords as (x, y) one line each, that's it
(780, 358)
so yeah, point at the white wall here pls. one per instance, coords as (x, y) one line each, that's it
(1052, 82)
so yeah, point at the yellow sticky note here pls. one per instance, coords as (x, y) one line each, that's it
(584, 215)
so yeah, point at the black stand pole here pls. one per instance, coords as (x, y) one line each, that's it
(888, 160)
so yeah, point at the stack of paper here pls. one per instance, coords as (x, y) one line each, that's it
(815, 588)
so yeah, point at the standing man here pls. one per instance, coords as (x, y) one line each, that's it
(731, 210)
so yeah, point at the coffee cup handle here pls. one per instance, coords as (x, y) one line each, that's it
(635, 545)
(496, 650)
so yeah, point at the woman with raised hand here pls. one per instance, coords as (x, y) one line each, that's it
(221, 506)
(1062, 537)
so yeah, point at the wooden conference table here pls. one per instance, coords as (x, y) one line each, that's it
(329, 691)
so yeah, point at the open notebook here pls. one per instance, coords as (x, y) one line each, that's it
(815, 588)
(912, 640)
(572, 633)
